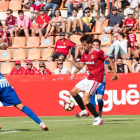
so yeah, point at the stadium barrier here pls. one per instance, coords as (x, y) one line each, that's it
(45, 94)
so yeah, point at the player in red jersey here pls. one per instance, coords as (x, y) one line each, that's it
(43, 70)
(61, 48)
(130, 23)
(17, 70)
(94, 58)
(3, 38)
(30, 70)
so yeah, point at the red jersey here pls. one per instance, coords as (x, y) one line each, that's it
(11, 23)
(40, 21)
(63, 46)
(95, 63)
(131, 38)
(130, 22)
(4, 35)
(31, 71)
(18, 72)
(47, 71)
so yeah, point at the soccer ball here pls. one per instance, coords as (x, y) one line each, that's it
(68, 105)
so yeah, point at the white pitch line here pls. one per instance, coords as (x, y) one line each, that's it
(70, 120)
(12, 131)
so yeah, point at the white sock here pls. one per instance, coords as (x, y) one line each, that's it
(41, 124)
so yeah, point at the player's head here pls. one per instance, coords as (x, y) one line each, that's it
(42, 66)
(21, 14)
(62, 35)
(9, 13)
(57, 13)
(74, 12)
(1, 27)
(86, 41)
(135, 60)
(119, 61)
(87, 11)
(29, 64)
(17, 65)
(130, 14)
(96, 43)
(41, 11)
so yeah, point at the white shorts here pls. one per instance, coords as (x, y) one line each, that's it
(88, 86)
(5, 44)
(134, 4)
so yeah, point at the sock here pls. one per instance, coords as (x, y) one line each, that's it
(92, 100)
(100, 104)
(79, 101)
(31, 114)
(92, 110)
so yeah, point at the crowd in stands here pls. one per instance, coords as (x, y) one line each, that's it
(124, 47)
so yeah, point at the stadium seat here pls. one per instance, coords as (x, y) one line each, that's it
(34, 54)
(105, 39)
(6, 67)
(23, 64)
(4, 5)
(51, 66)
(33, 42)
(19, 42)
(36, 64)
(48, 42)
(75, 39)
(105, 49)
(68, 65)
(46, 53)
(19, 54)
(5, 55)
(15, 5)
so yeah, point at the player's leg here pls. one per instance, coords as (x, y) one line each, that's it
(32, 115)
(0, 126)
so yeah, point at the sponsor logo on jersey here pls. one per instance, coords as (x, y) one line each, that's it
(92, 56)
(61, 46)
(90, 63)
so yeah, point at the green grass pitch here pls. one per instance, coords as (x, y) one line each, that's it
(71, 128)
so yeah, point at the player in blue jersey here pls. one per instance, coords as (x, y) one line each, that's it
(9, 97)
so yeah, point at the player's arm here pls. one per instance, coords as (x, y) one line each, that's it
(76, 71)
(113, 69)
(135, 27)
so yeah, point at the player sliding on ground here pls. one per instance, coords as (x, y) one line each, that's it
(94, 59)
(9, 97)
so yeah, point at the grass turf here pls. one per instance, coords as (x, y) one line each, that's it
(71, 128)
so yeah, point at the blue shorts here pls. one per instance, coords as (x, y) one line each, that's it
(108, 28)
(101, 89)
(9, 97)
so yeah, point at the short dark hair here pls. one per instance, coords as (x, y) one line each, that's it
(97, 40)
(59, 12)
(121, 34)
(87, 8)
(87, 38)
(1, 24)
(20, 11)
(136, 58)
(119, 58)
(10, 10)
(75, 9)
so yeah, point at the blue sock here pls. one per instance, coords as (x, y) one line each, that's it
(31, 114)
(92, 100)
(100, 104)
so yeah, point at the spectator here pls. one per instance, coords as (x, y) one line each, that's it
(3, 38)
(54, 4)
(17, 70)
(83, 70)
(56, 25)
(75, 4)
(134, 5)
(133, 47)
(122, 4)
(120, 67)
(25, 26)
(27, 3)
(103, 7)
(76, 22)
(35, 8)
(61, 69)
(130, 23)
(42, 23)
(61, 48)
(115, 22)
(88, 21)
(96, 4)
(136, 65)
(11, 23)
(119, 48)
(43, 70)
(30, 70)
